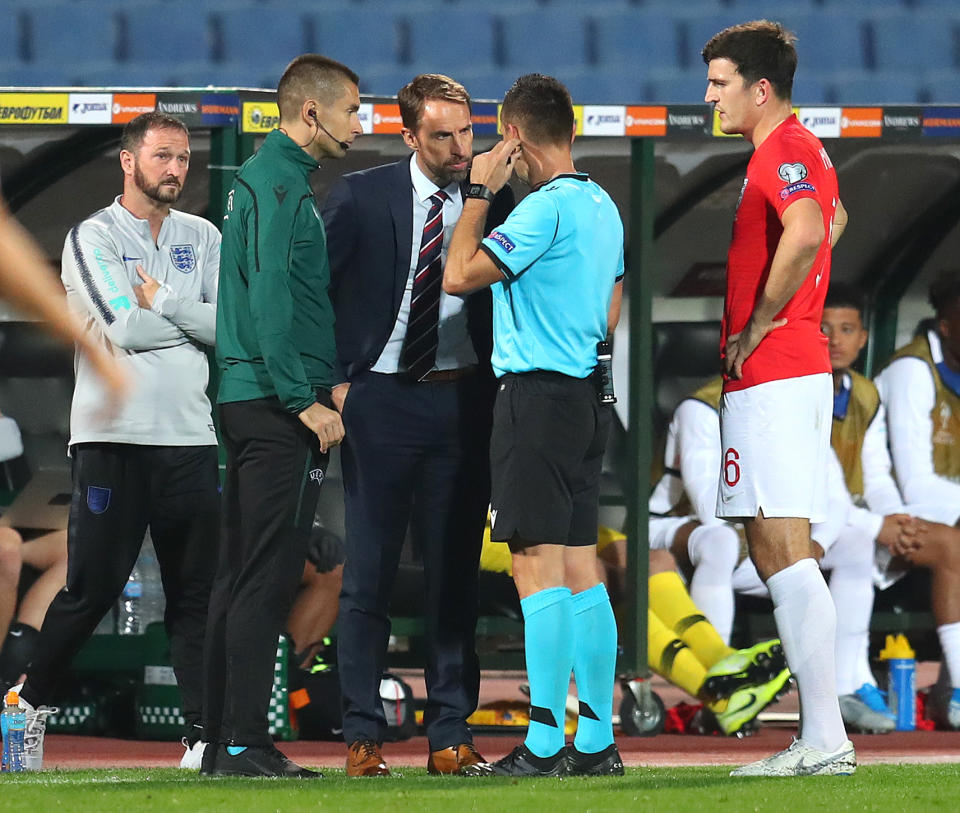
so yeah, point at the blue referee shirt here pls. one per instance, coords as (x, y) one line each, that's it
(560, 252)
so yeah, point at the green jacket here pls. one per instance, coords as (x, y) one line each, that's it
(274, 318)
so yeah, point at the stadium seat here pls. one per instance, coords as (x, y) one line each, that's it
(155, 34)
(892, 87)
(917, 41)
(12, 21)
(637, 40)
(386, 81)
(26, 76)
(809, 88)
(765, 10)
(547, 41)
(252, 34)
(941, 87)
(831, 41)
(364, 38)
(69, 33)
(595, 86)
(468, 40)
(678, 87)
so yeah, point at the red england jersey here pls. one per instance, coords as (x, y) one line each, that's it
(789, 165)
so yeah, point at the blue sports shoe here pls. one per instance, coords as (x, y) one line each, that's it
(874, 699)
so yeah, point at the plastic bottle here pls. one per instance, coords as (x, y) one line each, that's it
(152, 600)
(901, 681)
(13, 722)
(128, 621)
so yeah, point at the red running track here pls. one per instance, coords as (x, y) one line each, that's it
(70, 752)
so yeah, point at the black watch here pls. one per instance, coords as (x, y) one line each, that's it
(478, 190)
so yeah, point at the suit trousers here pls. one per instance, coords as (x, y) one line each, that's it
(415, 454)
(118, 490)
(273, 477)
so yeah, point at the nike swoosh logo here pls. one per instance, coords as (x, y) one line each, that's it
(15, 633)
(745, 706)
(728, 497)
(810, 767)
(127, 259)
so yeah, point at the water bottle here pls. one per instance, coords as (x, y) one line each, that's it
(901, 681)
(13, 722)
(152, 600)
(128, 620)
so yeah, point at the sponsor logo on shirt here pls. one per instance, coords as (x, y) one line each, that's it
(941, 121)
(127, 106)
(801, 186)
(259, 117)
(90, 108)
(183, 258)
(792, 172)
(505, 242)
(34, 108)
(644, 120)
(108, 280)
(823, 122)
(861, 122)
(605, 120)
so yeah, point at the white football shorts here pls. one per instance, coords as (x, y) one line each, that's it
(775, 442)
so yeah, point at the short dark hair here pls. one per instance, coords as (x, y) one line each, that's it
(542, 106)
(761, 50)
(428, 87)
(311, 76)
(944, 290)
(135, 130)
(845, 295)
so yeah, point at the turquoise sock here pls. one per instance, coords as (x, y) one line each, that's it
(548, 643)
(594, 667)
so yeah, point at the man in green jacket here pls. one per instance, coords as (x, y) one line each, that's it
(275, 350)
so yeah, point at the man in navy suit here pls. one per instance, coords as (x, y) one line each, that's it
(416, 404)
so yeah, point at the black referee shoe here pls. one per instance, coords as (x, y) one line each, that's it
(603, 763)
(521, 761)
(255, 760)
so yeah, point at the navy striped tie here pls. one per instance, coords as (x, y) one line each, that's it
(420, 344)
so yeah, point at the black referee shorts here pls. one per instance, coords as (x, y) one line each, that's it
(546, 453)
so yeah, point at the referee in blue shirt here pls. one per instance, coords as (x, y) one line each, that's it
(556, 268)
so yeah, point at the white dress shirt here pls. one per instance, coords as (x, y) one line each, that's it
(454, 347)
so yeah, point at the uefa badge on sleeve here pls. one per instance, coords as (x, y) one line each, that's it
(183, 258)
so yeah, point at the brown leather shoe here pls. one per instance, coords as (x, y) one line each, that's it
(364, 759)
(463, 760)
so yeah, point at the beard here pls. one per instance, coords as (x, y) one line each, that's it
(157, 192)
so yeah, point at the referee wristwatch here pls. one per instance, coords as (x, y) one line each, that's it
(478, 190)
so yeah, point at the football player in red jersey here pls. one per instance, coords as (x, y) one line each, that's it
(776, 407)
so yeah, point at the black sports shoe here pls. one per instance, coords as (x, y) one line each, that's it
(521, 761)
(603, 763)
(208, 760)
(256, 760)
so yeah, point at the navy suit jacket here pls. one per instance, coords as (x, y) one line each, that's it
(369, 222)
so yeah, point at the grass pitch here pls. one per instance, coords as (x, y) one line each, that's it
(872, 788)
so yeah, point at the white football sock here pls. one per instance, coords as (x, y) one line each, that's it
(850, 562)
(713, 550)
(949, 635)
(807, 621)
